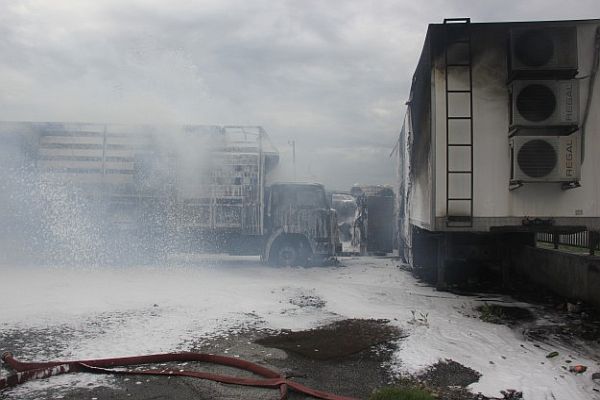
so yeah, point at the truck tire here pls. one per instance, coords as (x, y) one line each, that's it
(288, 252)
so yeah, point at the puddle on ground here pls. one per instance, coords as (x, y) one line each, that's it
(337, 340)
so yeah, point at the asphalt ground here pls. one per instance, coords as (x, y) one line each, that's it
(356, 374)
(351, 358)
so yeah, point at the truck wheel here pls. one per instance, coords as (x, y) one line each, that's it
(288, 253)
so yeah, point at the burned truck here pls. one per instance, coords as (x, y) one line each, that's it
(109, 191)
(365, 217)
(374, 221)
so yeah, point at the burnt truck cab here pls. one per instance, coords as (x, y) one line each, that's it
(300, 225)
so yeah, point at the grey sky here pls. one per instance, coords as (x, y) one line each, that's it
(332, 75)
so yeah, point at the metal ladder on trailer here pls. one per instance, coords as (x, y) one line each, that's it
(459, 122)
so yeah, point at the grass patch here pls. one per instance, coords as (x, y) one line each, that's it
(565, 248)
(498, 314)
(492, 314)
(394, 393)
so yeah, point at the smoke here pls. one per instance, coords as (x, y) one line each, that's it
(94, 194)
(44, 221)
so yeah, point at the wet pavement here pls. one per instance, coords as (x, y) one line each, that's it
(354, 370)
(346, 329)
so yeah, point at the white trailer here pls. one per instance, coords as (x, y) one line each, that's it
(500, 139)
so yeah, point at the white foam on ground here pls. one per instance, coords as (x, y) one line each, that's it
(113, 312)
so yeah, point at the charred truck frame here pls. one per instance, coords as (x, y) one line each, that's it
(174, 189)
(499, 141)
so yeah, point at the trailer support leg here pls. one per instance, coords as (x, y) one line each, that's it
(593, 241)
(504, 245)
(442, 247)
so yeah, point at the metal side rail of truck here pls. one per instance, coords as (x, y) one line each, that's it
(109, 191)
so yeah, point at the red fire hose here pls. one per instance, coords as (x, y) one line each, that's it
(271, 379)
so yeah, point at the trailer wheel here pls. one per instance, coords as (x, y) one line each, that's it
(288, 252)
